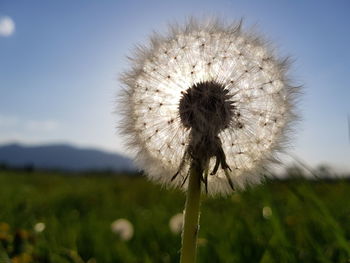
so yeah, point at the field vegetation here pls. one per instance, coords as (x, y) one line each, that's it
(58, 217)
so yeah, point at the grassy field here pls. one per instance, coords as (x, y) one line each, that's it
(280, 221)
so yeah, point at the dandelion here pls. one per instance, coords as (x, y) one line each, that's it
(176, 223)
(7, 26)
(39, 227)
(207, 103)
(266, 212)
(123, 228)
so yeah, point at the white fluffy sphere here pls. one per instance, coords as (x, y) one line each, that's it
(123, 228)
(247, 117)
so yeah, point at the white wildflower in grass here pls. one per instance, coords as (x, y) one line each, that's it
(123, 228)
(39, 227)
(176, 223)
(206, 104)
(266, 212)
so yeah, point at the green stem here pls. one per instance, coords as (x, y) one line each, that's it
(191, 217)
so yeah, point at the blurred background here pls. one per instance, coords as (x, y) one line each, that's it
(66, 177)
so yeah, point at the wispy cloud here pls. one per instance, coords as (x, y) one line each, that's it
(8, 121)
(46, 125)
(15, 128)
(7, 26)
(15, 123)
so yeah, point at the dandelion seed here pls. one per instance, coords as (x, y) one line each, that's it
(207, 92)
(123, 228)
(176, 223)
(39, 227)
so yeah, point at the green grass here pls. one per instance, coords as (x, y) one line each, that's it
(310, 221)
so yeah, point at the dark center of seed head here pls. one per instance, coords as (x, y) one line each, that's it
(206, 107)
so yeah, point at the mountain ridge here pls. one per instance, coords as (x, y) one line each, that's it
(63, 157)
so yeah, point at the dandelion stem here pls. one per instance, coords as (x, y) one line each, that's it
(191, 216)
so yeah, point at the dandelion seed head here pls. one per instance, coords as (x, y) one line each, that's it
(208, 89)
(123, 228)
(39, 227)
(176, 223)
(266, 212)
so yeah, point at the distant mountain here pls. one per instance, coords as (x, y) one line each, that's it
(63, 157)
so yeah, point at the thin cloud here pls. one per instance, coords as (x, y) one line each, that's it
(7, 26)
(43, 126)
(8, 121)
(15, 129)
(15, 123)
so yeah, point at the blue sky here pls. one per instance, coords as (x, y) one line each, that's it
(59, 67)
